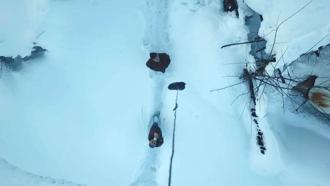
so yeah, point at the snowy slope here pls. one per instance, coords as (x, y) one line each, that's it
(20, 22)
(12, 176)
(82, 113)
(79, 112)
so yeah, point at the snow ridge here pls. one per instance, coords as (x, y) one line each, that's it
(11, 175)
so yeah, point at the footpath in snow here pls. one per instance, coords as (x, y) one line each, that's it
(156, 39)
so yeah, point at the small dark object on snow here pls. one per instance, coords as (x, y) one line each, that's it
(37, 51)
(4, 59)
(262, 64)
(16, 63)
(260, 142)
(158, 61)
(317, 53)
(304, 86)
(254, 120)
(248, 77)
(278, 74)
(177, 86)
(253, 112)
(155, 136)
(231, 5)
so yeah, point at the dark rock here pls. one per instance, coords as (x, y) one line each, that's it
(177, 86)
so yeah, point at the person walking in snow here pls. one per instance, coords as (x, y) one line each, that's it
(158, 61)
(231, 5)
(155, 136)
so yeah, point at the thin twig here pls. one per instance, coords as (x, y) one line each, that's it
(317, 43)
(40, 34)
(263, 48)
(285, 20)
(273, 85)
(213, 90)
(303, 103)
(323, 82)
(236, 98)
(241, 43)
(280, 58)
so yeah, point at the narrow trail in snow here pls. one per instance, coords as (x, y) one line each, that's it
(156, 39)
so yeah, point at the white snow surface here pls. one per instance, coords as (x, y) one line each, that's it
(21, 24)
(306, 30)
(83, 112)
(13, 176)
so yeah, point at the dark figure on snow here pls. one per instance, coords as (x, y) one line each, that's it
(12, 63)
(158, 61)
(155, 136)
(37, 51)
(231, 5)
(16, 63)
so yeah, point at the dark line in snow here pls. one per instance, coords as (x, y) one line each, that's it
(173, 140)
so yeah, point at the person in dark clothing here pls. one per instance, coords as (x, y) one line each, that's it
(231, 5)
(158, 61)
(155, 136)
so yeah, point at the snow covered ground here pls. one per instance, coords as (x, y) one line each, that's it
(82, 112)
(13, 176)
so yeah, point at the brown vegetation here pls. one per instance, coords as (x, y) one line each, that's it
(319, 99)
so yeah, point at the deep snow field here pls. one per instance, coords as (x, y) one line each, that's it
(80, 115)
